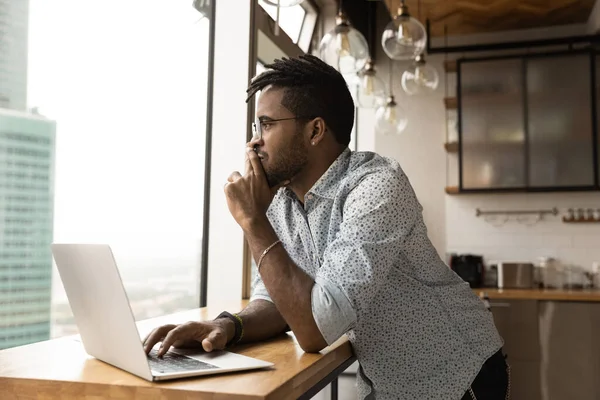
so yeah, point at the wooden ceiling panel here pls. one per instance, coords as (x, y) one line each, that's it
(463, 17)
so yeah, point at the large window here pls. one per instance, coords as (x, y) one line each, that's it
(290, 18)
(298, 22)
(107, 146)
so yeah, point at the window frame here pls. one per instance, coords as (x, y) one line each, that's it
(203, 290)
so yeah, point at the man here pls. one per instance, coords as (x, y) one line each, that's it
(341, 248)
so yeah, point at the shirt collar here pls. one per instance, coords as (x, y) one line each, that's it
(329, 182)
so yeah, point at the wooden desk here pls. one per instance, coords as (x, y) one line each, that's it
(60, 368)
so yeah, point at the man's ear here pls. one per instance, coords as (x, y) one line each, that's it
(318, 131)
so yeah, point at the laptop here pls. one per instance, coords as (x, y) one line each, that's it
(107, 326)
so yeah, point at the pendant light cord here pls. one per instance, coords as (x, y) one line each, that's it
(369, 27)
(276, 32)
(391, 76)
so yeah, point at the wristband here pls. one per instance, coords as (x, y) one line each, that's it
(239, 327)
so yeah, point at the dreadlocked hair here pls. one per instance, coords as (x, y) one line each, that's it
(312, 89)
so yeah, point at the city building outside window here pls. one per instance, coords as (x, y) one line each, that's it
(103, 110)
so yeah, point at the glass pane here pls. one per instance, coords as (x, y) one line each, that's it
(124, 94)
(492, 124)
(290, 18)
(260, 68)
(559, 121)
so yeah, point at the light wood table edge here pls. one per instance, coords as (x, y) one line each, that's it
(325, 366)
(31, 388)
(540, 294)
(304, 381)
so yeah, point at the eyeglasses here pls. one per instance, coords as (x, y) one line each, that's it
(257, 125)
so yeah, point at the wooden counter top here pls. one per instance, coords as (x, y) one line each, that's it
(541, 294)
(60, 369)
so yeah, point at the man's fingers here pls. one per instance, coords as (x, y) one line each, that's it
(216, 340)
(146, 338)
(252, 158)
(248, 163)
(174, 335)
(235, 175)
(156, 336)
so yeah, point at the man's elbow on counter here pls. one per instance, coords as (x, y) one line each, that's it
(312, 346)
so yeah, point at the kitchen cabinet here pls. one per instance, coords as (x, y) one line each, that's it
(526, 123)
(517, 323)
(492, 130)
(552, 348)
(559, 121)
(569, 355)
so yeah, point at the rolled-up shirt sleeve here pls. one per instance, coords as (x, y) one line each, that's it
(259, 290)
(378, 215)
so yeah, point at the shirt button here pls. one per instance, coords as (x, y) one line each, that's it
(309, 196)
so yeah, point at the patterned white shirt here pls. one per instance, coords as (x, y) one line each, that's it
(417, 329)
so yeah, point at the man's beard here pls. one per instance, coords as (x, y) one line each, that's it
(288, 164)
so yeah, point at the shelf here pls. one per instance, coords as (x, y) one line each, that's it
(450, 66)
(451, 147)
(451, 103)
(452, 190)
(495, 98)
(580, 221)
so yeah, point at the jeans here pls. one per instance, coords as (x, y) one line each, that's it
(493, 380)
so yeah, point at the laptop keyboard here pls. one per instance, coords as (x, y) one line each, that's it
(173, 362)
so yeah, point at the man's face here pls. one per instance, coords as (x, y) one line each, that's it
(282, 148)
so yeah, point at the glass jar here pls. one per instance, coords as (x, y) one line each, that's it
(550, 273)
(573, 277)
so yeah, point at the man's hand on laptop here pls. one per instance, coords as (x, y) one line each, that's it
(211, 335)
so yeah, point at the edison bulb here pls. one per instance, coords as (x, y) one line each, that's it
(390, 119)
(344, 48)
(404, 37)
(370, 89)
(284, 3)
(420, 78)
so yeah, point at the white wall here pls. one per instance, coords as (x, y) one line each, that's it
(451, 220)
(419, 149)
(513, 240)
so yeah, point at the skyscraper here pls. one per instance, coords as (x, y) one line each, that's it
(26, 192)
(14, 22)
(26, 225)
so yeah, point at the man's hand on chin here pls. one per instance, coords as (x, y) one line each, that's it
(249, 196)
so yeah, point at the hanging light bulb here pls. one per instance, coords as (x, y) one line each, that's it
(404, 37)
(344, 47)
(370, 89)
(284, 3)
(420, 78)
(390, 119)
